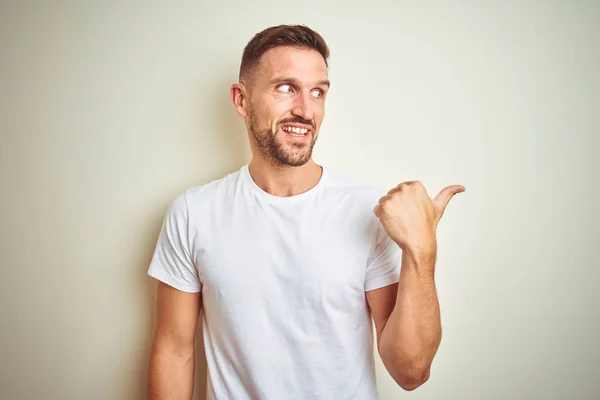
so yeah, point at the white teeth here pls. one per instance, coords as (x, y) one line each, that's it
(298, 131)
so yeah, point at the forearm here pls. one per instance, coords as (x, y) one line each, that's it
(412, 333)
(170, 377)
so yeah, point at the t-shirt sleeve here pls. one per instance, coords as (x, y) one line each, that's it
(172, 262)
(383, 267)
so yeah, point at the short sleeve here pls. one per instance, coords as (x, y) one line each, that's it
(172, 262)
(383, 266)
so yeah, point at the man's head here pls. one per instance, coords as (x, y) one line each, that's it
(281, 93)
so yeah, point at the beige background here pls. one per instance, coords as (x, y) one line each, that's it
(108, 110)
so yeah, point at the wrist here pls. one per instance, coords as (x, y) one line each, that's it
(424, 247)
(423, 253)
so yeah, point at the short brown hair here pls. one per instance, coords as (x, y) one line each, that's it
(299, 36)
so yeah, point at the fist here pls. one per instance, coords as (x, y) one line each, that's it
(410, 217)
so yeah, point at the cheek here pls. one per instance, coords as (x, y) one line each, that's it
(272, 113)
(263, 119)
(319, 115)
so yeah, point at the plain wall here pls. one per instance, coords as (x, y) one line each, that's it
(108, 110)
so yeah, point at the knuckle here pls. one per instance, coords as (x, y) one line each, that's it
(385, 206)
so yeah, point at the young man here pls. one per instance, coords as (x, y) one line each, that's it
(289, 261)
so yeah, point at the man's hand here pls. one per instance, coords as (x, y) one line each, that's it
(410, 217)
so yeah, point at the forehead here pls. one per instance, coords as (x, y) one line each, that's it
(306, 65)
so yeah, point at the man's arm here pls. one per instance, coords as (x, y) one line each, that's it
(171, 369)
(407, 321)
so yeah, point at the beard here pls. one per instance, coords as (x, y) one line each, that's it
(275, 148)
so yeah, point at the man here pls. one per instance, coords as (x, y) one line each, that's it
(289, 261)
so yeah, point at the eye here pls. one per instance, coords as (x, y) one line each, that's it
(317, 93)
(285, 88)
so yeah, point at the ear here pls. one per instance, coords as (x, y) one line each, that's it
(238, 95)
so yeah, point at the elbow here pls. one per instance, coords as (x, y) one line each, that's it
(412, 379)
(409, 369)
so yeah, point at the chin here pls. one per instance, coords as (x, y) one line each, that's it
(293, 161)
(299, 163)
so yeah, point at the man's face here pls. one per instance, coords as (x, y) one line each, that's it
(287, 104)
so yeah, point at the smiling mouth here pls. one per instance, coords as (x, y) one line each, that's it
(295, 131)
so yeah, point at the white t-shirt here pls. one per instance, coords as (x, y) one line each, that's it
(283, 283)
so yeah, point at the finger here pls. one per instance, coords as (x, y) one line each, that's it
(385, 198)
(377, 211)
(399, 186)
(443, 198)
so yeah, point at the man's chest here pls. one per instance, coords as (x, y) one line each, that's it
(314, 259)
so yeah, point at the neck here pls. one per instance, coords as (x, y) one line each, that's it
(284, 181)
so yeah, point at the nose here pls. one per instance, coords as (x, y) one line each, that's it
(303, 106)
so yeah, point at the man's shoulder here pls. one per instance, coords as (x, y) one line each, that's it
(204, 194)
(216, 186)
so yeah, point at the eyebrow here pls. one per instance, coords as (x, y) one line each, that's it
(295, 81)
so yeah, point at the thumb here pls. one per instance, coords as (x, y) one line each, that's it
(443, 198)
